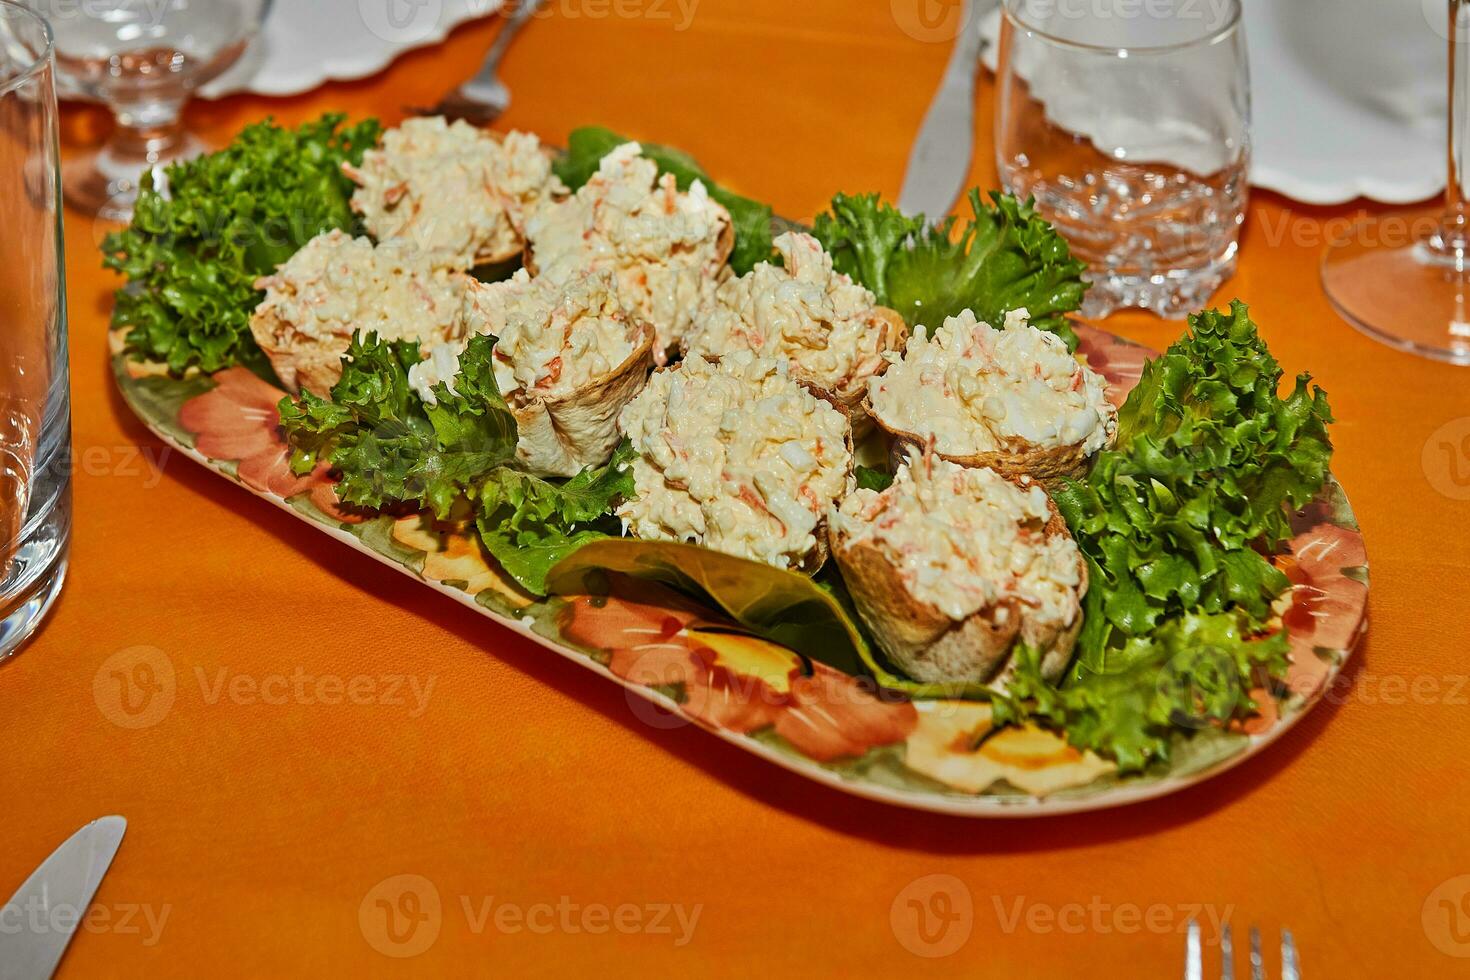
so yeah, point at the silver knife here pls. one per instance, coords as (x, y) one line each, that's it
(39, 920)
(940, 159)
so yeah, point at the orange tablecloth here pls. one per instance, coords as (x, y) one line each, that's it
(262, 818)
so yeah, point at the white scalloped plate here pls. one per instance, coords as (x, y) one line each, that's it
(308, 42)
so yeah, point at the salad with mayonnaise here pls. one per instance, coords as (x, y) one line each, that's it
(828, 328)
(459, 194)
(671, 386)
(567, 357)
(1014, 398)
(668, 248)
(951, 566)
(338, 285)
(738, 457)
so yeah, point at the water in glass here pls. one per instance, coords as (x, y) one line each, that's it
(1129, 123)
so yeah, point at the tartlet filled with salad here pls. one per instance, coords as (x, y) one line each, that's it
(568, 357)
(953, 568)
(602, 352)
(1012, 399)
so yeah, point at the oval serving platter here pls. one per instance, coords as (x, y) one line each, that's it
(825, 725)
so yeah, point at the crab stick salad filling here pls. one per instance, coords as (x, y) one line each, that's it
(551, 338)
(663, 245)
(964, 540)
(736, 457)
(971, 389)
(338, 284)
(454, 190)
(826, 325)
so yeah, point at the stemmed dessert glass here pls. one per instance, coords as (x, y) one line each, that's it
(144, 59)
(1406, 281)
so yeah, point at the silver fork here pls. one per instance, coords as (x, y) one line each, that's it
(1194, 964)
(484, 98)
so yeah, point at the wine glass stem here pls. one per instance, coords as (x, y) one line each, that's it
(148, 135)
(1453, 236)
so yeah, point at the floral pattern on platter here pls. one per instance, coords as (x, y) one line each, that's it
(652, 637)
(453, 554)
(829, 726)
(237, 421)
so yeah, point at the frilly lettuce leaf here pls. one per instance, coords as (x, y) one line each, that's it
(1006, 258)
(1209, 464)
(753, 220)
(529, 524)
(1175, 522)
(1192, 673)
(391, 448)
(195, 247)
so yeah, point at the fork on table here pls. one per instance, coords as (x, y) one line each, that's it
(484, 98)
(1194, 966)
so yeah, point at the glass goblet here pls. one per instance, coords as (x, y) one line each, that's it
(143, 59)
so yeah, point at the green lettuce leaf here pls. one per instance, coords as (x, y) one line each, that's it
(870, 478)
(391, 448)
(753, 220)
(195, 248)
(1175, 522)
(1192, 673)
(529, 524)
(782, 606)
(1209, 464)
(813, 617)
(1007, 257)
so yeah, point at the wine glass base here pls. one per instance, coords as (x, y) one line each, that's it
(106, 184)
(1390, 285)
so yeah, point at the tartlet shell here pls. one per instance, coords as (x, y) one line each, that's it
(314, 367)
(563, 435)
(929, 646)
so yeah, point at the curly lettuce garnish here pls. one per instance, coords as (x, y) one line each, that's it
(529, 524)
(196, 246)
(389, 446)
(1191, 674)
(1006, 258)
(1175, 522)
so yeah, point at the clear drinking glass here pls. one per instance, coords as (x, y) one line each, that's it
(144, 59)
(1405, 280)
(1129, 122)
(35, 407)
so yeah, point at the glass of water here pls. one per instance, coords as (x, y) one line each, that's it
(1129, 122)
(144, 59)
(35, 410)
